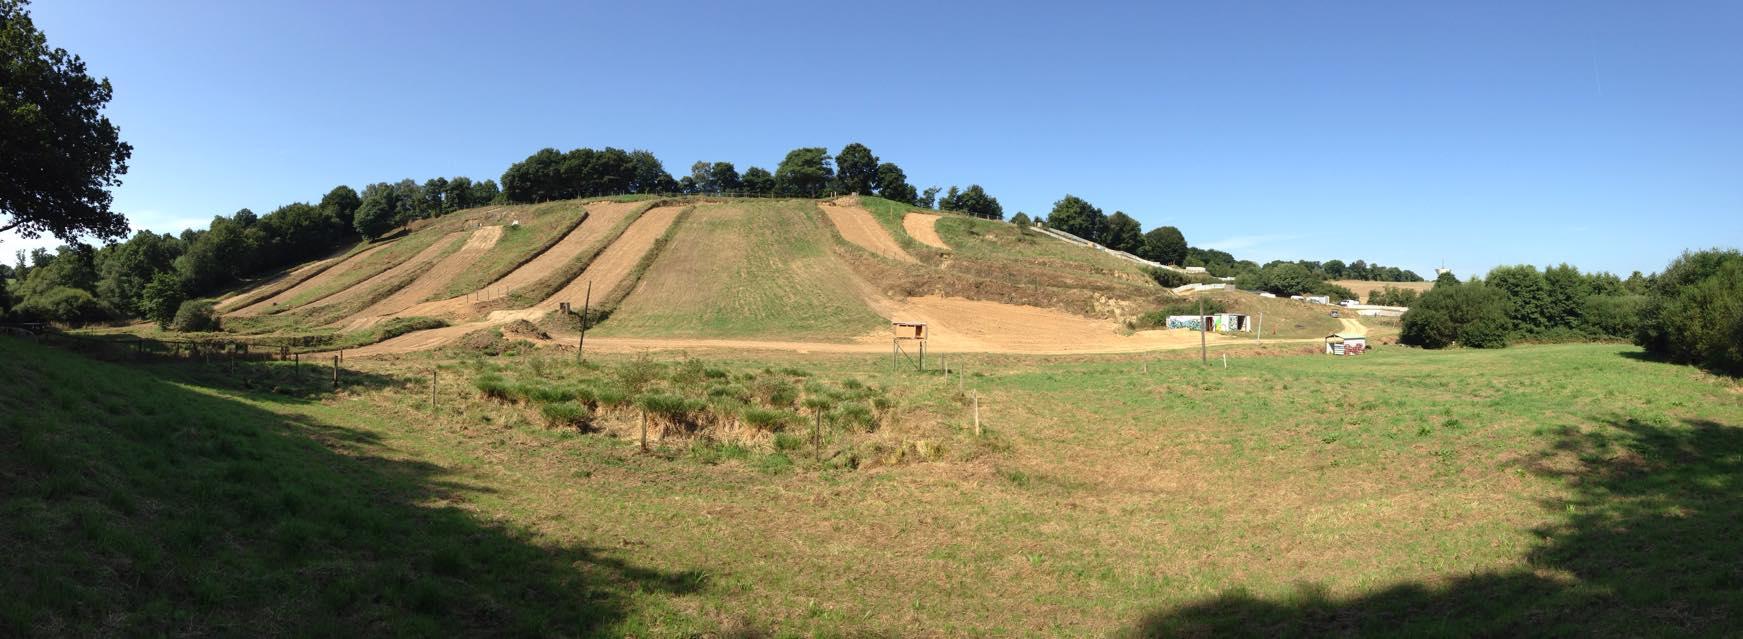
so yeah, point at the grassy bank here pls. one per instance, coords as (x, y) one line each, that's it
(1568, 489)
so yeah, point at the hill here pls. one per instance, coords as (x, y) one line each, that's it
(700, 271)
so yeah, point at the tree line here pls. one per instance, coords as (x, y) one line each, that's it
(1690, 313)
(808, 172)
(150, 275)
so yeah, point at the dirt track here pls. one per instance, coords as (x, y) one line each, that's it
(429, 254)
(429, 283)
(614, 264)
(601, 218)
(858, 226)
(341, 268)
(924, 228)
(229, 302)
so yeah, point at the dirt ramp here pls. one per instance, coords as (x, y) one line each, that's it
(614, 264)
(266, 305)
(296, 276)
(430, 282)
(858, 226)
(602, 217)
(430, 254)
(923, 227)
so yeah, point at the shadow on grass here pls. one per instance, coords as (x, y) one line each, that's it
(1652, 544)
(131, 505)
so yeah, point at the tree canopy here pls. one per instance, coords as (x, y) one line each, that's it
(973, 201)
(856, 169)
(1076, 216)
(1123, 233)
(59, 155)
(805, 172)
(1164, 244)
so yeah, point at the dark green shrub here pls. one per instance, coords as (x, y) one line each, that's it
(561, 414)
(1167, 278)
(1612, 316)
(62, 304)
(774, 392)
(195, 316)
(1694, 311)
(854, 415)
(1471, 315)
(493, 386)
(768, 420)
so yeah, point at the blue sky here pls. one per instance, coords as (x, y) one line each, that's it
(1607, 135)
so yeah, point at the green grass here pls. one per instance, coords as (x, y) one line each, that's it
(1546, 490)
(541, 227)
(750, 268)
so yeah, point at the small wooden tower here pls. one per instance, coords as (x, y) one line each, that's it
(906, 331)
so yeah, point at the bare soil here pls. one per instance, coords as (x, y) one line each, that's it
(266, 305)
(1361, 287)
(921, 226)
(429, 254)
(285, 280)
(601, 218)
(858, 226)
(615, 263)
(430, 282)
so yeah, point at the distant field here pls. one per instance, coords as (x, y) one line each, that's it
(1573, 490)
(1363, 287)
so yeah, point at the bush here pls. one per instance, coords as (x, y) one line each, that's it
(195, 316)
(1167, 278)
(768, 420)
(62, 304)
(1612, 316)
(1693, 313)
(1472, 315)
(566, 414)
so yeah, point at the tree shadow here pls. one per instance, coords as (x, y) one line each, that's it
(132, 505)
(1651, 544)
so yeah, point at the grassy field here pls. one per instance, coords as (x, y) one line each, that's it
(746, 269)
(1567, 490)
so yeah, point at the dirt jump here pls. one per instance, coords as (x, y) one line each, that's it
(858, 226)
(923, 227)
(429, 283)
(320, 279)
(430, 254)
(615, 263)
(602, 217)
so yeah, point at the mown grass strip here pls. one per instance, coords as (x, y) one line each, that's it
(291, 280)
(615, 297)
(549, 285)
(485, 273)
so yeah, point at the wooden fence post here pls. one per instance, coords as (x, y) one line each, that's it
(335, 372)
(644, 430)
(432, 391)
(977, 414)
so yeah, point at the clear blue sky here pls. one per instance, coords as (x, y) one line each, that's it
(1604, 134)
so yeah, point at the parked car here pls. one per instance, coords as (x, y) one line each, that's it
(1348, 303)
(1334, 314)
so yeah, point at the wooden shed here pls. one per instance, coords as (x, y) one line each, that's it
(1345, 344)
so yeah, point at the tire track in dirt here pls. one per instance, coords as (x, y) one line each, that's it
(266, 305)
(601, 218)
(615, 263)
(293, 278)
(430, 282)
(858, 226)
(430, 254)
(923, 227)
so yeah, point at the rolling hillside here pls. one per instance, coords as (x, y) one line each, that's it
(789, 274)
